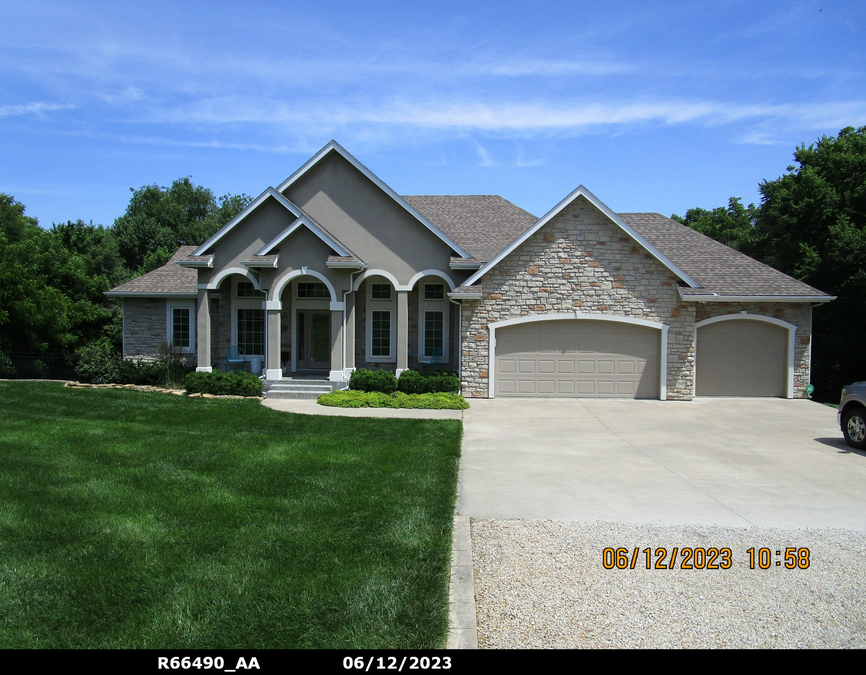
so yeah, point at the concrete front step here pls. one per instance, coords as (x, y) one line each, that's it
(295, 394)
(301, 388)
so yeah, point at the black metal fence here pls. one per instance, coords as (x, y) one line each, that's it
(37, 365)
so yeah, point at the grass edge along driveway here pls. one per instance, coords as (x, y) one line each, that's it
(130, 519)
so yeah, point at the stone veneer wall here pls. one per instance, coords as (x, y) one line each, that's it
(799, 314)
(580, 262)
(144, 327)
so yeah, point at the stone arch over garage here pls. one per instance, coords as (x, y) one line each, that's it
(744, 354)
(556, 330)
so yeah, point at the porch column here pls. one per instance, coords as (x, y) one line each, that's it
(402, 331)
(202, 333)
(273, 370)
(350, 332)
(336, 374)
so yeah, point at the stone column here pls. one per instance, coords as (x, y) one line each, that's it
(202, 335)
(273, 367)
(402, 331)
(336, 374)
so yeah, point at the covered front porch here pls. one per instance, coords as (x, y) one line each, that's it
(306, 327)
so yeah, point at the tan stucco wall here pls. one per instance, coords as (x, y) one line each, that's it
(247, 238)
(367, 220)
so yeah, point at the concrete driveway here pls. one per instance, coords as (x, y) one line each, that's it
(712, 461)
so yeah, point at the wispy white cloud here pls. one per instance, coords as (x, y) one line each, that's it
(522, 162)
(163, 141)
(487, 161)
(126, 95)
(484, 157)
(38, 108)
(758, 137)
(506, 116)
(555, 67)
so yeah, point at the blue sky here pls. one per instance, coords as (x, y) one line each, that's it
(652, 106)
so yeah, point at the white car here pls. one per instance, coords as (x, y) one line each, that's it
(852, 414)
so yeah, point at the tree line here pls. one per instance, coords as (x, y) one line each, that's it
(52, 281)
(811, 225)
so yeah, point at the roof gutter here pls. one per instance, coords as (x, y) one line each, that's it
(715, 297)
(133, 294)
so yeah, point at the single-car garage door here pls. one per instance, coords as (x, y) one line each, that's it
(741, 358)
(577, 358)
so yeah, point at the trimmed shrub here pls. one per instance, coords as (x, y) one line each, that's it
(375, 399)
(373, 380)
(223, 384)
(415, 382)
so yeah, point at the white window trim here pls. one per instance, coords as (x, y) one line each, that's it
(245, 303)
(169, 320)
(381, 305)
(443, 306)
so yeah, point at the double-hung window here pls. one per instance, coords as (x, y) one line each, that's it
(248, 319)
(433, 328)
(381, 320)
(180, 320)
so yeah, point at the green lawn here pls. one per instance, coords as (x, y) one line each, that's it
(132, 519)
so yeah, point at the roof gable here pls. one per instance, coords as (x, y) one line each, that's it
(581, 191)
(333, 146)
(301, 219)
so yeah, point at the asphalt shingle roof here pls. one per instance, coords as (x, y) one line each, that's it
(481, 224)
(486, 224)
(171, 278)
(717, 268)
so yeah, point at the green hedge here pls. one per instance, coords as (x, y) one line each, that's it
(415, 382)
(410, 382)
(362, 399)
(373, 380)
(223, 384)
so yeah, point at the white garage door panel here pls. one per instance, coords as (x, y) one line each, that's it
(741, 358)
(582, 358)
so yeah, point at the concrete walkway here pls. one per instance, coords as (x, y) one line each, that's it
(310, 407)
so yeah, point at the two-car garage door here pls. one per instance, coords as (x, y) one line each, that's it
(612, 359)
(577, 358)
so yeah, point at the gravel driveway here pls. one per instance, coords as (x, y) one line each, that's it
(542, 584)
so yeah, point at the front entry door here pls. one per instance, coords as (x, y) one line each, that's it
(314, 339)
